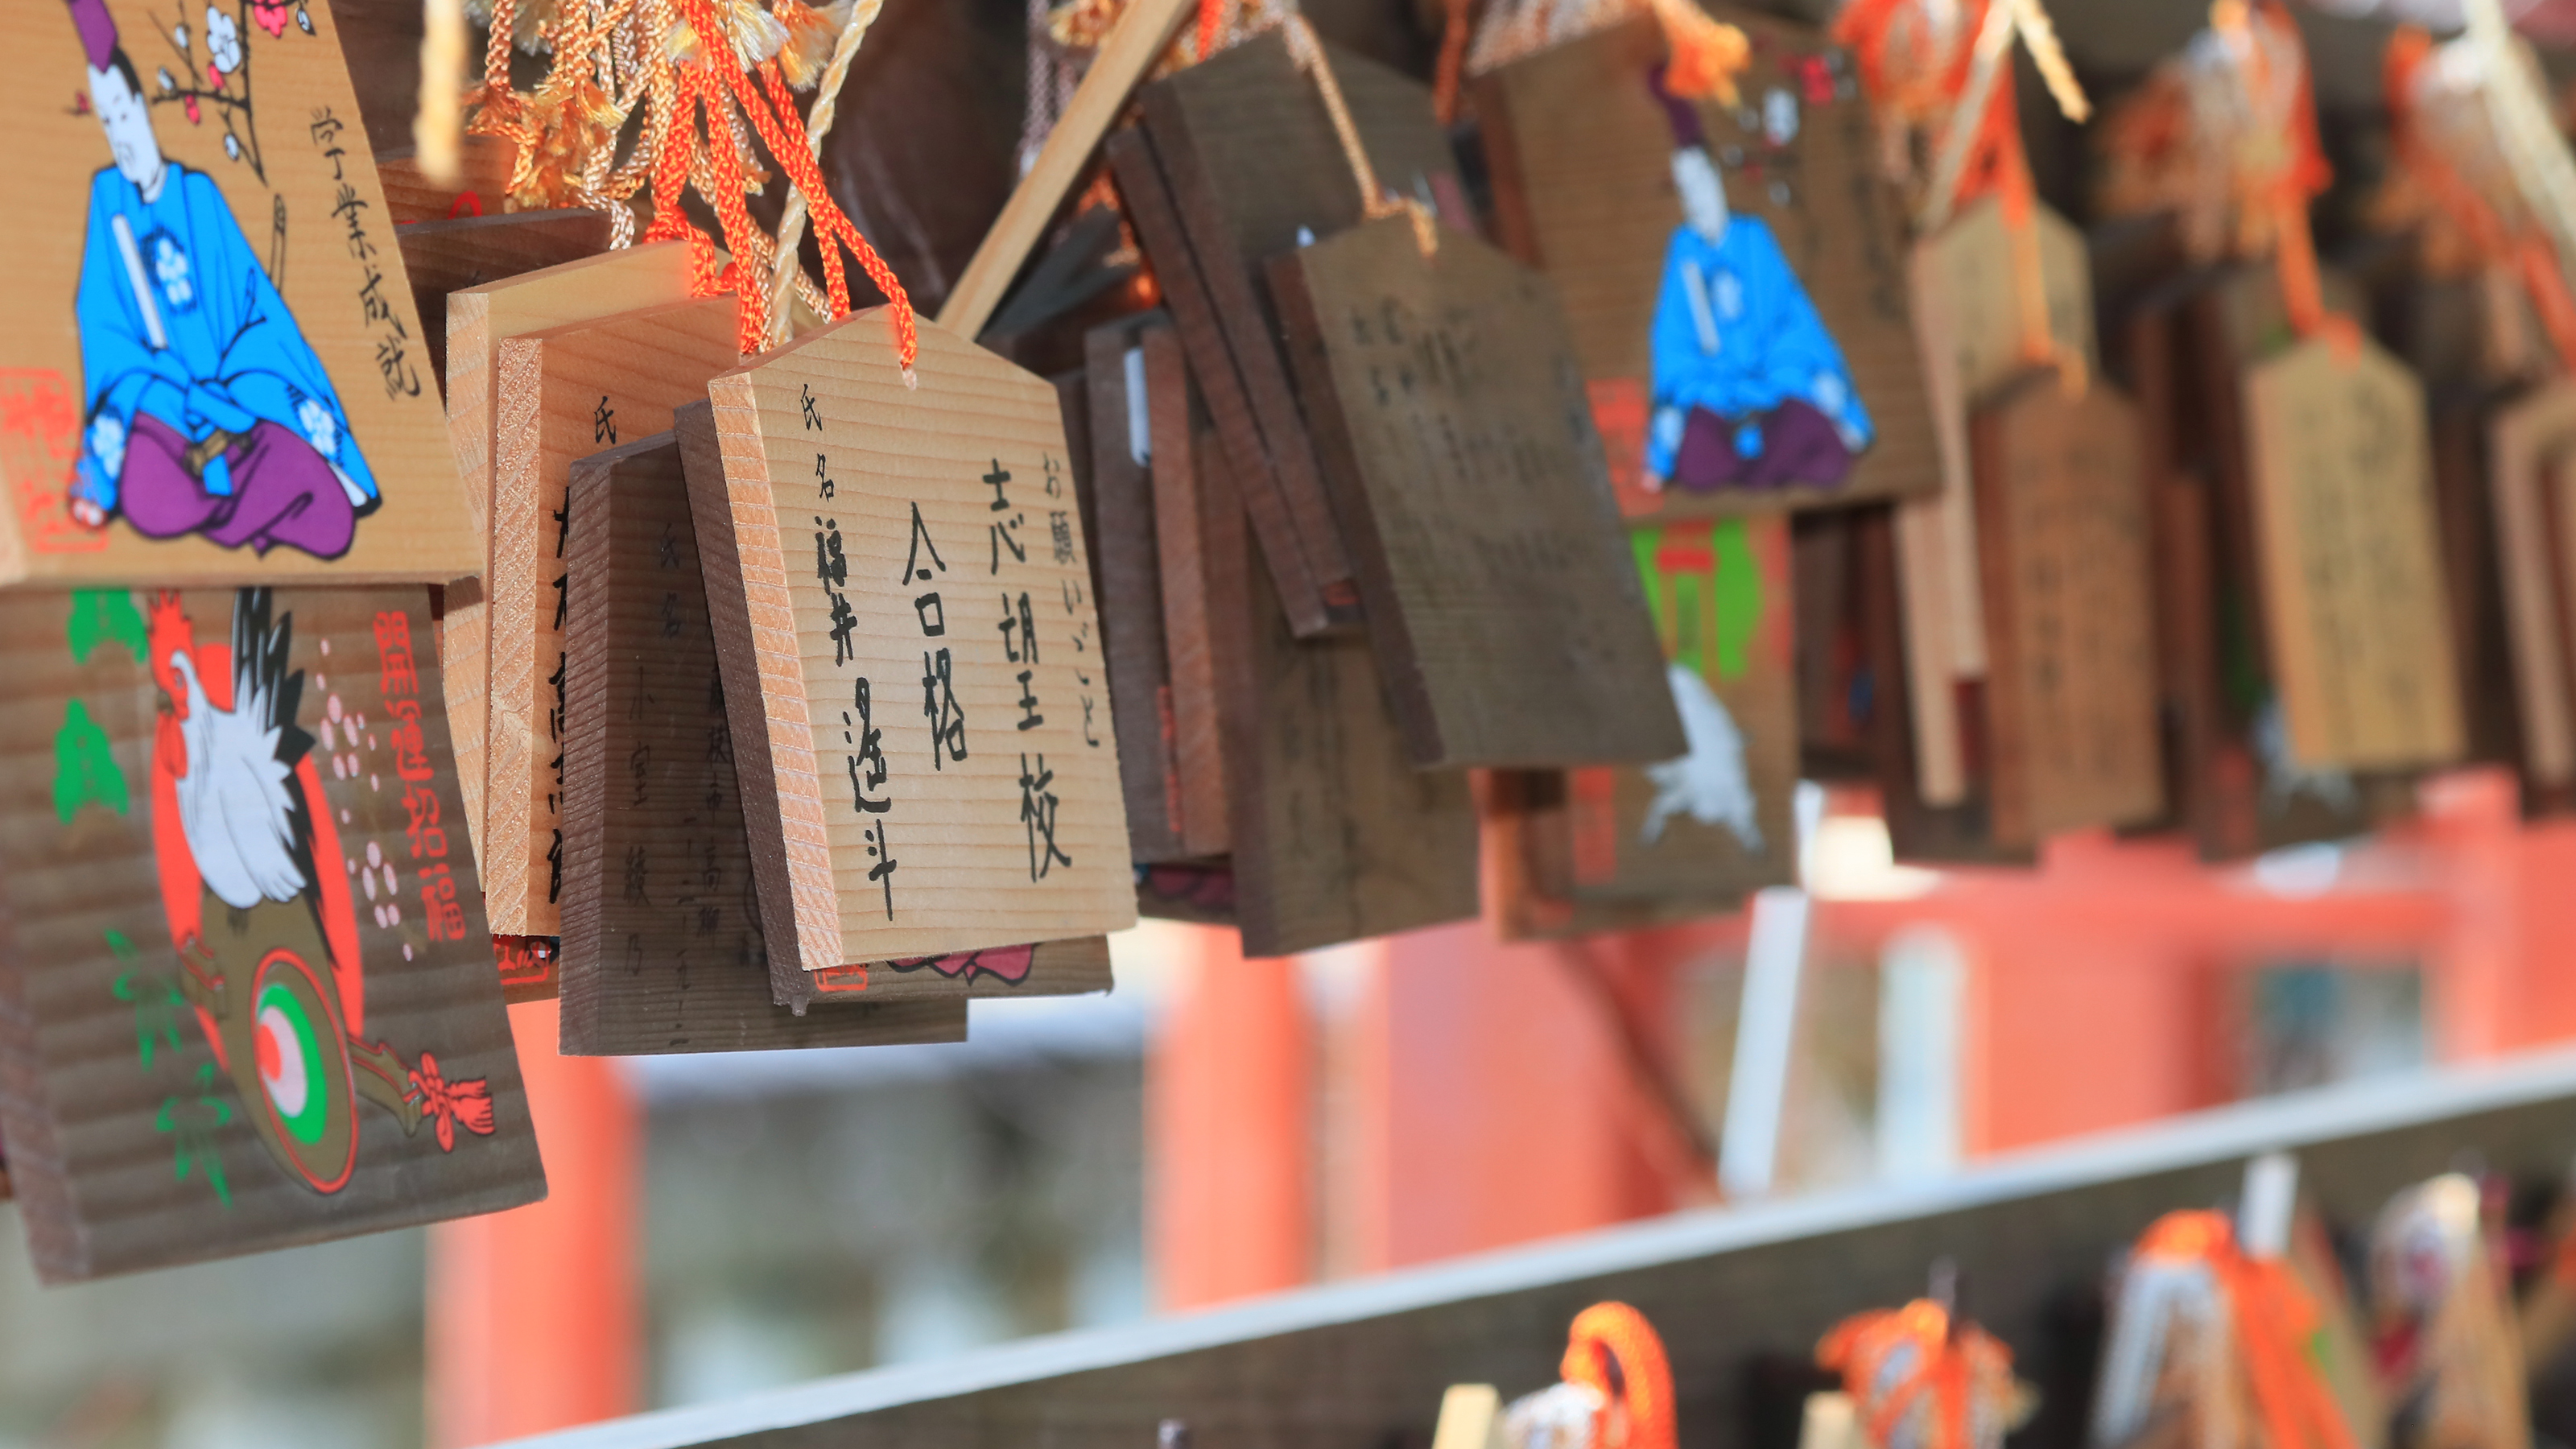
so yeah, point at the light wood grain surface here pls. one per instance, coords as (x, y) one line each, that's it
(921, 521)
(564, 393)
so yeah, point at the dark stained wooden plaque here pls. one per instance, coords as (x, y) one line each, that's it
(662, 946)
(1183, 448)
(1336, 835)
(1459, 450)
(1581, 151)
(1131, 590)
(2062, 537)
(249, 993)
(1700, 831)
(1237, 163)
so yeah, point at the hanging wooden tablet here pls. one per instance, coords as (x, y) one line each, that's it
(1917, 831)
(2352, 588)
(1463, 466)
(213, 371)
(2471, 562)
(1181, 449)
(934, 548)
(250, 998)
(2242, 789)
(663, 947)
(1967, 313)
(1786, 374)
(1336, 835)
(1837, 697)
(1237, 163)
(565, 393)
(2523, 441)
(2071, 686)
(1706, 828)
(1131, 589)
(651, 275)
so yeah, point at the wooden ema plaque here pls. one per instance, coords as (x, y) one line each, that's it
(1838, 699)
(2472, 572)
(478, 318)
(2070, 693)
(1336, 835)
(1131, 587)
(1735, 279)
(663, 946)
(1180, 450)
(1237, 163)
(1704, 829)
(2352, 583)
(2240, 788)
(1464, 468)
(1967, 312)
(1917, 830)
(565, 393)
(2524, 442)
(214, 372)
(930, 699)
(249, 995)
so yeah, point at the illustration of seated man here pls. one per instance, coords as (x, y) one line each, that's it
(1750, 390)
(208, 413)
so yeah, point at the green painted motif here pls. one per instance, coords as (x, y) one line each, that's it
(103, 616)
(85, 767)
(156, 1002)
(193, 1121)
(1720, 609)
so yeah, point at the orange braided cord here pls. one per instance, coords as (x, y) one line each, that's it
(2531, 255)
(697, 93)
(1452, 63)
(2275, 1319)
(1211, 20)
(1707, 55)
(1953, 1368)
(2301, 178)
(1907, 77)
(1608, 1332)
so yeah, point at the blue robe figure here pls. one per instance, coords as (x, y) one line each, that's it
(1749, 388)
(207, 411)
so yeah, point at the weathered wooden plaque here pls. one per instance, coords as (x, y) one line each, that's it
(1702, 830)
(662, 938)
(1336, 835)
(1460, 454)
(1968, 319)
(1735, 278)
(1182, 449)
(2352, 584)
(565, 393)
(1238, 163)
(1131, 587)
(213, 370)
(931, 700)
(2238, 788)
(2071, 689)
(2523, 441)
(249, 995)
(652, 275)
